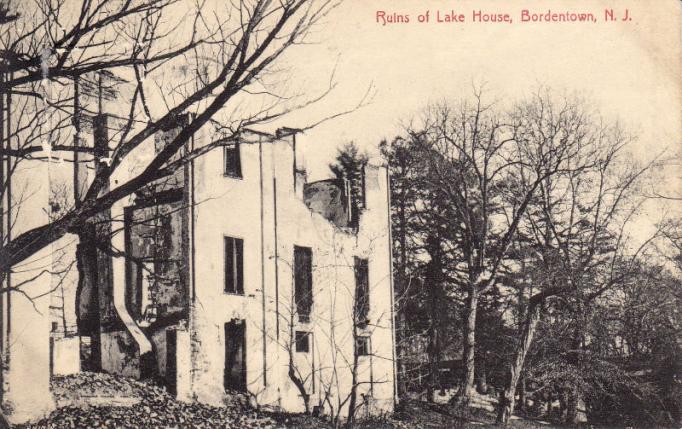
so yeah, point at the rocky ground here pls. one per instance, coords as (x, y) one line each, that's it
(94, 400)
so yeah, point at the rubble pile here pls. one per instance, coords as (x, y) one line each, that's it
(94, 400)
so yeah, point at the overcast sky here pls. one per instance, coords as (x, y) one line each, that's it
(629, 70)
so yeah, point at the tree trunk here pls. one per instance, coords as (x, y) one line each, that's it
(299, 385)
(63, 312)
(87, 295)
(571, 407)
(522, 395)
(563, 399)
(482, 382)
(4, 423)
(401, 329)
(433, 349)
(434, 282)
(466, 390)
(434, 362)
(432, 355)
(430, 388)
(352, 403)
(507, 398)
(401, 350)
(293, 376)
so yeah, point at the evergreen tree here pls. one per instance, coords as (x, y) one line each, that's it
(350, 166)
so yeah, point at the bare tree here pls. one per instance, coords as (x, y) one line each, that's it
(229, 52)
(88, 85)
(471, 151)
(576, 229)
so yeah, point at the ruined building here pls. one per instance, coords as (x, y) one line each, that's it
(234, 274)
(239, 276)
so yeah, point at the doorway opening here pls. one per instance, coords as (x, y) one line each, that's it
(234, 377)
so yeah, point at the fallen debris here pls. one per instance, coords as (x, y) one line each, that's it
(95, 400)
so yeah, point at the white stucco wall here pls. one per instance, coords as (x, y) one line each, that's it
(66, 354)
(26, 322)
(227, 206)
(245, 208)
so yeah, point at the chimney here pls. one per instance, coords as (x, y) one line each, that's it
(286, 132)
(300, 180)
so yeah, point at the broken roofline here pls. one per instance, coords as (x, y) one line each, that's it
(113, 85)
(279, 135)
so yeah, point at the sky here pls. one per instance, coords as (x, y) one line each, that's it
(629, 70)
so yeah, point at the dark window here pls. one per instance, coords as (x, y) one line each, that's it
(55, 326)
(303, 282)
(233, 162)
(234, 265)
(362, 346)
(234, 376)
(302, 342)
(361, 291)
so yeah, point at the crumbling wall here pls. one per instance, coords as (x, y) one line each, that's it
(156, 258)
(66, 355)
(263, 210)
(182, 364)
(120, 354)
(327, 197)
